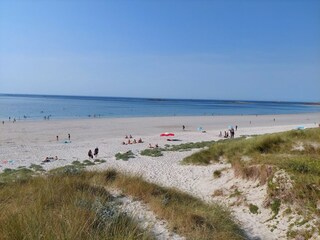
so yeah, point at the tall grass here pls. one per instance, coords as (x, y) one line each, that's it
(62, 207)
(69, 203)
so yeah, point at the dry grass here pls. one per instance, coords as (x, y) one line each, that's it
(185, 214)
(69, 203)
(62, 207)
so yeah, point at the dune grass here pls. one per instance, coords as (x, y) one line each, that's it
(152, 152)
(70, 203)
(125, 156)
(158, 152)
(268, 153)
(186, 215)
(62, 206)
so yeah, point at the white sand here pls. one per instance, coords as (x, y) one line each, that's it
(23, 143)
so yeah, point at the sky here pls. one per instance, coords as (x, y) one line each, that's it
(218, 49)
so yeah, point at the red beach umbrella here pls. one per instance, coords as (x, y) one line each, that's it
(166, 134)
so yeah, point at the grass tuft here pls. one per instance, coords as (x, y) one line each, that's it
(154, 152)
(125, 156)
(217, 174)
(253, 209)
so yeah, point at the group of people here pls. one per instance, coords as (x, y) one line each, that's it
(47, 117)
(230, 133)
(129, 141)
(95, 153)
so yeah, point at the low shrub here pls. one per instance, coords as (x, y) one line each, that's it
(153, 152)
(217, 174)
(253, 208)
(125, 156)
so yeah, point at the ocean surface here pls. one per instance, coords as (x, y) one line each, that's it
(35, 107)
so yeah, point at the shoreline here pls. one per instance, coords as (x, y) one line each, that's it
(154, 116)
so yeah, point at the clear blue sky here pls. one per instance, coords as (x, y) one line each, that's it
(250, 50)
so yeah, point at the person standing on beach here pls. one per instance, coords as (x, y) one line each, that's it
(57, 138)
(90, 154)
(183, 127)
(96, 151)
(69, 136)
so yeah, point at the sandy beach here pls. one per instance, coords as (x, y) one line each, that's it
(29, 142)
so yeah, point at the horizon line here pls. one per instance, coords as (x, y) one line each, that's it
(156, 98)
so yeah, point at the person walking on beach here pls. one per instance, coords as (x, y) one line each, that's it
(90, 154)
(57, 138)
(183, 127)
(96, 151)
(69, 136)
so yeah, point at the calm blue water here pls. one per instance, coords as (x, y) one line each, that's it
(61, 107)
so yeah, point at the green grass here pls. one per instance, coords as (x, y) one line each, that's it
(125, 156)
(37, 168)
(68, 170)
(189, 146)
(253, 209)
(15, 175)
(153, 152)
(99, 161)
(267, 154)
(158, 152)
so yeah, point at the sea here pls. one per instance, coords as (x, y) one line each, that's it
(35, 107)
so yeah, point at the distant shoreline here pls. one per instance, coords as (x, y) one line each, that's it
(53, 119)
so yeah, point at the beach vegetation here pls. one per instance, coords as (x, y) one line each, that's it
(158, 152)
(269, 154)
(63, 207)
(217, 174)
(16, 175)
(125, 156)
(189, 146)
(99, 161)
(67, 170)
(88, 163)
(217, 193)
(153, 152)
(185, 214)
(253, 208)
(36, 167)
